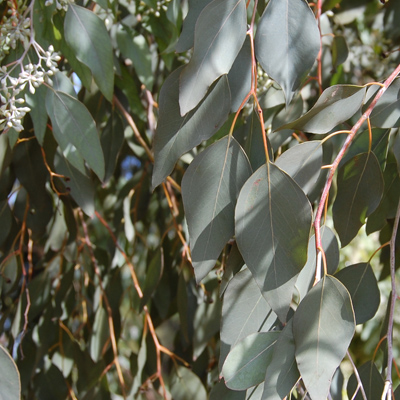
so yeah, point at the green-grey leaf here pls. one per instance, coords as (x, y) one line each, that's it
(176, 135)
(361, 283)
(71, 120)
(9, 377)
(100, 334)
(5, 220)
(323, 327)
(282, 373)
(219, 35)
(303, 163)
(247, 362)
(185, 384)
(372, 382)
(287, 43)
(336, 104)
(340, 50)
(153, 276)
(273, 220)
(359, 192)
(87, 35)
(38, 113)
(210, 188)
(244, 311)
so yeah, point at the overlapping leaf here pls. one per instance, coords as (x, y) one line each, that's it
(360, 189)
(87, 35)
(210, 188)
(323, 327)
(337, 104)
(176, 135)
(273, 220)
(219, 35)
(372, 382)
(247, 362)
(287, 43)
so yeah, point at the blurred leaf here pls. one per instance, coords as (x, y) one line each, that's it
(176, 135)
(361, 283)
(187, 385)
(51, 384)
(232, 267)
(71, 119)
(337, 104)
(323, 327)
(210, 188)
(153, 276)
(221, 27)
(11, 272)
(100, 334)
(360, 189)
(287, 43)
(5, 220)
(272, 216)
(220, 391)
(38, 113)
(9, 377)
(372, 382)
(340, 51)
(87, 35)
(248, 360)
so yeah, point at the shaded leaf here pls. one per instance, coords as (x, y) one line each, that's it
(9, 377)
(87, 35)
(38, 113)
(359, 192)
(282, 373)
(210, 188)
(323, 327)
(220, 391)
(273, 220)
(219, 35)
(100, 334)
(372, 382)
(153, 276)
(340, 51)
(247, 362)
(5, 220)
(185, 384)
(287, 43)
(244, 311)
(303, 163)
(336, 104)
(361, 283)
(71, 120)
(175, 135)
(233, 266)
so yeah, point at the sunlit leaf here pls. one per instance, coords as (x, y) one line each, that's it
(323, 327)
(219, 35)
(100, 334)
(287, 43)
(210, 188)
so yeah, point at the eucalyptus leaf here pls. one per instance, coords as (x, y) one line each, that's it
(371, 380)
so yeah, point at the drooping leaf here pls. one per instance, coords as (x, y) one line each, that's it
(153, 276)
(210, 188)
(361, 283)
(248, 360)
(100, 334)
(336, 104)
(233, 266)
(340, 50)
(282, 372)
(244, 311)
(186, 39)
(176, 135)
(287, 43)
(303, 163)
(323, 327)
(185, 384)
(5, 220)
(220, 391)
(371, 379)
(72, 121)
(273, 220)
(87, 35)
(219, 35)
(359, 192)
(38, 113)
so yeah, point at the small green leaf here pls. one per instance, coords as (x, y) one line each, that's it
(340, 51)
(359, 192)
(287, 43)
(210, 188)
(273, 221)
(336, 104)
(361, 283)
(176, 135)
(248, 360)
(100, 334)
(71, 120)
(87, 35)
(9, 377)
(323, 327)
(185, 384)
(219, 35)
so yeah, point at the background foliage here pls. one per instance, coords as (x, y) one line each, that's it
(185, 193)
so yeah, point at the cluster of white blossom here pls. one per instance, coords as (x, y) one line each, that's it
(60, 4)
(16, 29)
(160, 5)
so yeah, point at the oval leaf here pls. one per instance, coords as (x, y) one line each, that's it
(185, 384)
(372, 382)
(273, 220)
(247, 362)
(9, 377)
(219, 35)
(287, 43)
(336, 105)
(323, 327)
(361, 283)
(87, 35)
(210, 188)
(359, 192)
(176, 135)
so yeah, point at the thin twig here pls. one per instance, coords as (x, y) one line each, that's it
(357, 375)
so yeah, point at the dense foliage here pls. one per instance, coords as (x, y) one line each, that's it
(183, 188)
